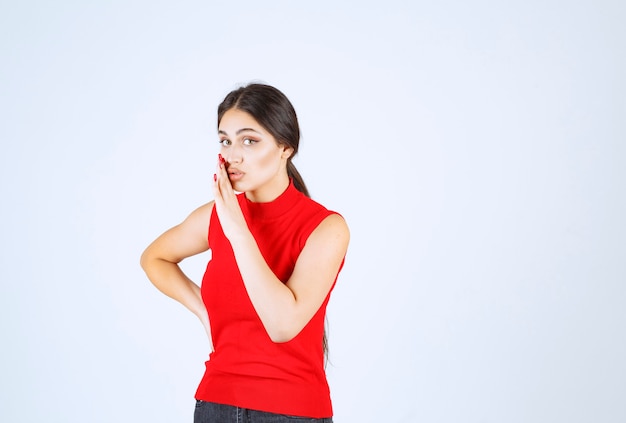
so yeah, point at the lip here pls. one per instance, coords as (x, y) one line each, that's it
(235, 174)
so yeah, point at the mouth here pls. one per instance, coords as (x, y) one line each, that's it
(235, 174)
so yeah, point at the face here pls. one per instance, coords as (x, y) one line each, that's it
(256, 164)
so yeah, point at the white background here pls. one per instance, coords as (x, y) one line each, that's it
(476, 148)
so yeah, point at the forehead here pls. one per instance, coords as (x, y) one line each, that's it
(235, 120)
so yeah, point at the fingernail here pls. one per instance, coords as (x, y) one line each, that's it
(221, 158)
(214, 177)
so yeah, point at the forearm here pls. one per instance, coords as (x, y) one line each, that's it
(273, 301)
(168, 278)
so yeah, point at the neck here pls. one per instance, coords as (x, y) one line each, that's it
(269, 191)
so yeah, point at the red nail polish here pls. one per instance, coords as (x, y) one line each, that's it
(221, 158)
(214, 177)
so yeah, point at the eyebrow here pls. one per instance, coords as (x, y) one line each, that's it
(239, 131)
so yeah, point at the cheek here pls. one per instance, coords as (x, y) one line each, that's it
(267, 159)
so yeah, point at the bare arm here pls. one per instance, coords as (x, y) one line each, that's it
(284, 308)
(160, 261)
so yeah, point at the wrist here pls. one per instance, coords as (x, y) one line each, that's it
(241, 237)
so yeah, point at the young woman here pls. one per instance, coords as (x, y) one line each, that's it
(275, 257)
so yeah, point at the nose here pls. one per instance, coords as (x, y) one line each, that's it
(233, 154)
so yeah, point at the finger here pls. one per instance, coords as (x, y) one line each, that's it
(217, 191)
(219, 175)
(215, 184)
(225, 186)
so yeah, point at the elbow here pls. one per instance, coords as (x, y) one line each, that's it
(285, 323)
(281, 338)
(144, 260)
(280, 335)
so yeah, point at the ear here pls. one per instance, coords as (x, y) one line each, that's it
(287, 152)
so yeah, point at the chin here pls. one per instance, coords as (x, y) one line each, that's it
(241, 187)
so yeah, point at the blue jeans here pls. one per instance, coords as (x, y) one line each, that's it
(209, 412)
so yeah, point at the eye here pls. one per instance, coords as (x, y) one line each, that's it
(248, 141)
(225, 142)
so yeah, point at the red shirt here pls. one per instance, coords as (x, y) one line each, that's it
(247, 369)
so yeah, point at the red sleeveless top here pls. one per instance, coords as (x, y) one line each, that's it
(247, 369)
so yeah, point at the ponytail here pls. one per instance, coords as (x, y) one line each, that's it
(295, 176)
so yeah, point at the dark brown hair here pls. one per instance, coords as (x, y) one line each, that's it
(275, 113)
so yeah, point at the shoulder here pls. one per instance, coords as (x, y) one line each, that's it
(333, 228)
(311, 214)
(327, 245)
